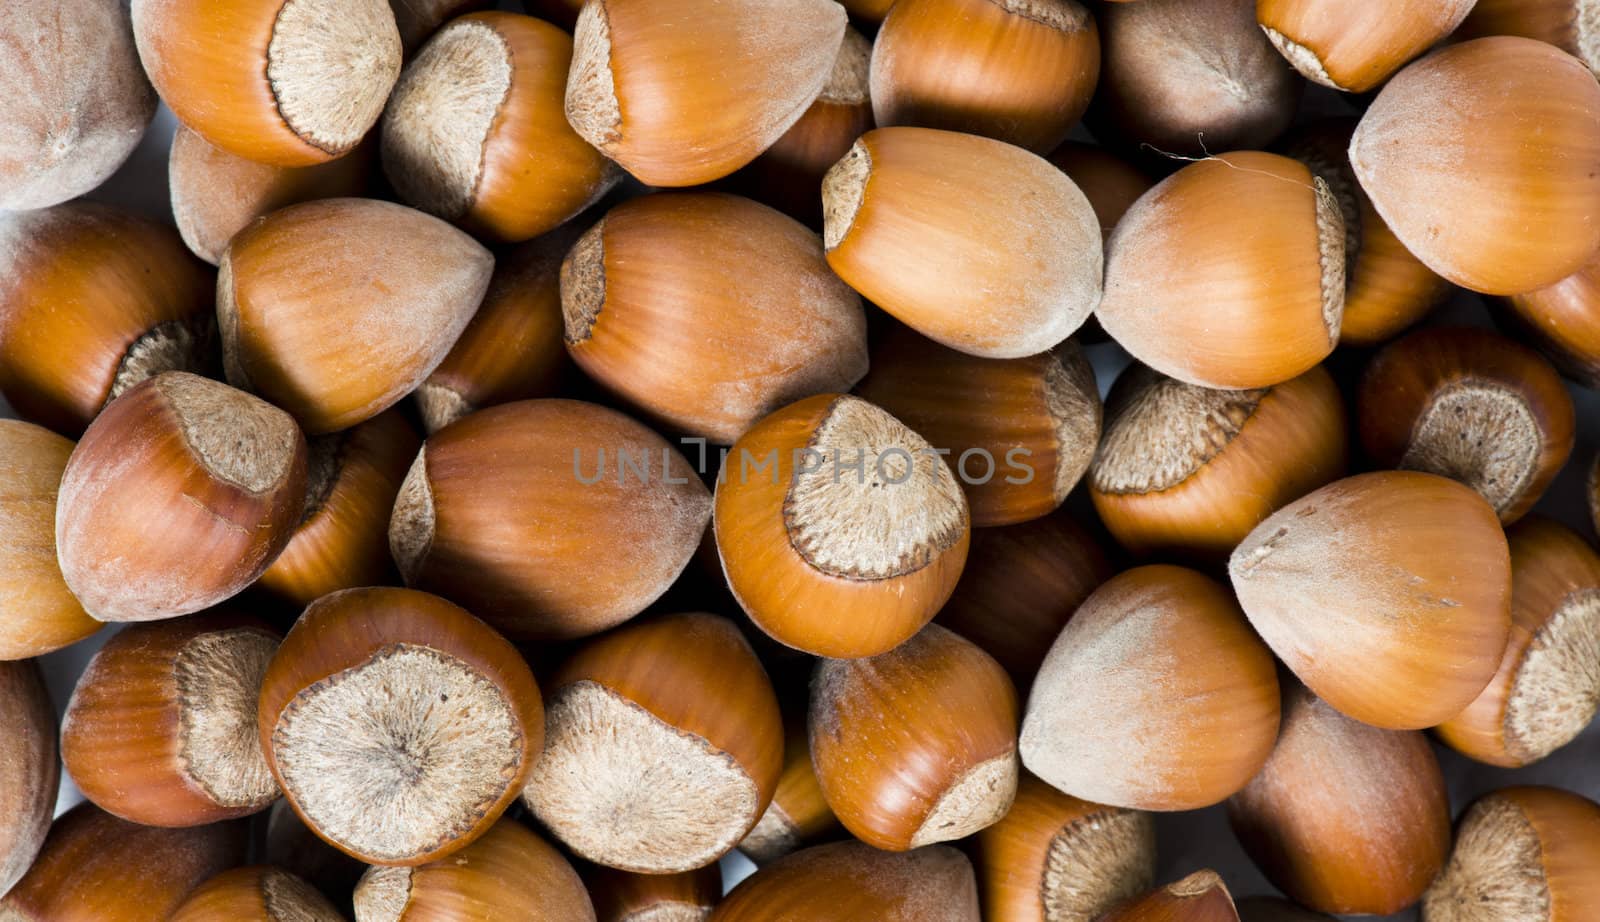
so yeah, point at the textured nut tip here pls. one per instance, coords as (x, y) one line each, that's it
(1496, 872)
(1196, 884)
(842, 190)
(583, 284)
(240, 439)
(383, 894)
(438, 121)
(592, 107)
(774, 836)
(1061, 15)
(625, 789)
(331, 65)
(219, 678)
(1072, 398)
(1161, 431)
(1331, 256)
(1096, 863)
(228, 325)
(976, 801)
(290, 899)
(1303, 59)
(440, 406)
(1482, 434)
(411, 525)
(1556, 690)
(848, 83)
(176, 345)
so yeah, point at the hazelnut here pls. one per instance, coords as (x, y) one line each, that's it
(1562, 23)
(1019, 71)
(1110, 183)
(1019, 432)
(853, 882)
(709, 311)
(1153, 668)
(1467, 404)
(663, 747)
(291, 845)
(1230, 273)
(513, 348)
(1548, 686)
(1200, 897)
(512, 511)
(178, 497)
(682, 92)
(1020, 586)
(362, 714)
(788, 174)
(29, 771)
(970, 271)
(476, 133)
(1190, 77)
(918, 745)
(799, 814)
(285, 82)
(1190, 470)
(622, 896)
(1563, 322)
(840, 530)
(342, 542)
(1456, 186)
(305, 291)
(217, 194)
(41, 613)
(117, 293)
(1388, 594)
(508, 873)
(77, 102)
(1057, 858)
(1344, 817)
(1354, 46)
(97, 868)
(1386, 288)
(1524, 854)
(256, 894)
(160, 729)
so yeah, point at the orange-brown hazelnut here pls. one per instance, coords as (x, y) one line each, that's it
(799, 814)
(178, 497)
(1562, 23)
(1563, 322)
(513, 511)
(30, 772)
(622, 896)
(1110, 183)
(94, 300)
(854, 882)
(1200, 897)
(1153, 668)
(1469, 405)
(256, 894)
(1353, 45)
(1388, 594)
(840, 530)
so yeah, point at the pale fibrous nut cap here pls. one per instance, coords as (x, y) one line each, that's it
(331, 65)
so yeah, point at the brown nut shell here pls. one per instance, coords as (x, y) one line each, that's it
(342, 541)
(1200, 897)
(1562, 23)
(853, 882)
(511, 510)
(1345, 818)
(1467, 404)
(918, 745)
(336, 310)
(30, 772)
(117, 293)
(216, 194)
(1190, 470)
(1524, 854)
(664, 746)
(77, 101)
(256, 894)
(1229, 273)
(1190, 77)
(476, 131)
(682, 92)
(1019, 71)
(1020, 586)
(160, 729)
(1056, 858)
(362, 716)
(1444, 152)
(829, 558)
(97, 868)
(1388, 594)
(178, 497)
(508, 873)
(285, 82)
(1154, 667)
(799, 814)
(1548, 686)
(622, 896)
(1563, 322)
(1019, 432)
(42, 614)
(1354, 46)
(513, 348)
(709, 311)
(971, 271)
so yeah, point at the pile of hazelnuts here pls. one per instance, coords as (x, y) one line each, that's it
(545, 452)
